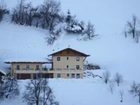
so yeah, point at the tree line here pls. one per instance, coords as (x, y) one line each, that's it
(48, 16)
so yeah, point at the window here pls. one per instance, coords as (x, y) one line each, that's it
(77, 67)
(58, 75)
(67, 58)
(67, 66)
(68, 75)
(27, 67)
(17, 67)
(37, 67)
(37, 75)
(77, 58)
(58, 58)
(72, 75)
(77, 75)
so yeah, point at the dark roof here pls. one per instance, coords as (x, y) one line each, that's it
(70, 49)
(33, 62)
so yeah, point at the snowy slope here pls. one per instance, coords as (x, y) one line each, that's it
(82, 92)
(22, 43)
(110, 50)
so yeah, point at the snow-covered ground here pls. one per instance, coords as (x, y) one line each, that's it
(82, 92)
(110, 50)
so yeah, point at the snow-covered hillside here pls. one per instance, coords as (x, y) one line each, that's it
(109, 49)
(82, 92)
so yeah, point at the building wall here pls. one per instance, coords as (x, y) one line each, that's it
(69, 61)
(24, 70)
(66, 67)
(23, 66)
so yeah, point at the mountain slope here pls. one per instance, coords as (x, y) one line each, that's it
(109, 49)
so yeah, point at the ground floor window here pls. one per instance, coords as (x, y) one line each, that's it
(77, 67)
(23, 76)
(68, 75)
(77, 75)
(72, 75)
(58, 75)
(37, 75)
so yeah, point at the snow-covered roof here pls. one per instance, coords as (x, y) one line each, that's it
(40, 62)
(70, 49)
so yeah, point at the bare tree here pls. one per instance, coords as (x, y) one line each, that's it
(132, 29)
(89, 32)
(121, 92)
(54, 35)
(18, 13)
(3, 9)
(106, 76)
(38, 92)
(118, 78)
(111, 86)
(50, 14)
(135, 90)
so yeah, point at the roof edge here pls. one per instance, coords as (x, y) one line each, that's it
(69, 49)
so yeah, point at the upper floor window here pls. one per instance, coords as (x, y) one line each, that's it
(18, 67)
(67, 58)
(77, 58)
(67, 66)
(77, 67)
(37, 67)
(27, 67)
(58, 58)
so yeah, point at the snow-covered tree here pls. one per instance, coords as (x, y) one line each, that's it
(118, 78)
(68, 17)
(135, 90)
(111, 86)
(38, 92)
(54, 35)
(73, 25)
(89, 32)
(3, 9)
(121, 92)
(50, 14)
(106, 76)
(9, 88)
(133, 29)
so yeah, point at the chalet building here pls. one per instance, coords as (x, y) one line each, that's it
(67, 63)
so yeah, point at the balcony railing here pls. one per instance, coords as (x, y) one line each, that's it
(66, 69)
(32, 69)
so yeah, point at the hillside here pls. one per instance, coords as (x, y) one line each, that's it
(109, 49)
